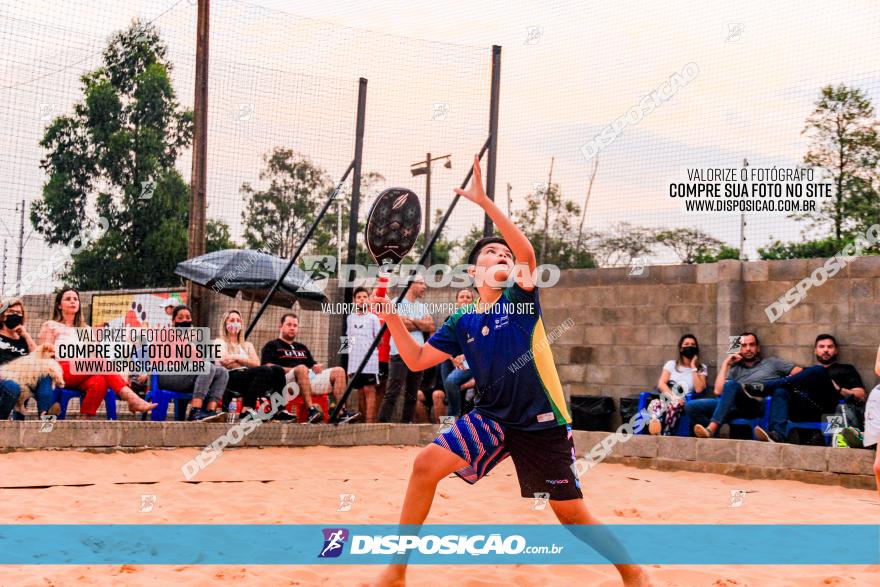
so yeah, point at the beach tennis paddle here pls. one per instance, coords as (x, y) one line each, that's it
(393, 225)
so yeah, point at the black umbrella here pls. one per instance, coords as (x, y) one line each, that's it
(252, 273)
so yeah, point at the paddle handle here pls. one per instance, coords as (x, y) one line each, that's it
(382, 286)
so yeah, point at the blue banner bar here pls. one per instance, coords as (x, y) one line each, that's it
(177, 544)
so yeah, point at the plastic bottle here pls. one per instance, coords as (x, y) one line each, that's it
(233, 410)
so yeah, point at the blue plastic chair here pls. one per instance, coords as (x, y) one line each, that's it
(762, 421)
(64, 395)
(684, 423)
(820, 426)
(163, 397)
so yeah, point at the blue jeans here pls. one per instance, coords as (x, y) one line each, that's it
(10, 391)
(731, 405)
(452, 385)
(808, 394)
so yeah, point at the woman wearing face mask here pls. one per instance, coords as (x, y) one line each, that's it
(246, 376)
(207, 388)
(16, 342)
(61, 329)
(686, 373)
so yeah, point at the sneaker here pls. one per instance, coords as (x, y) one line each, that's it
(200, 415)
(315, 414)
(702, 432)
(654, 427)
(853, 437)
(764, 436)
(284, 416)
(345, 416)
(212, 416)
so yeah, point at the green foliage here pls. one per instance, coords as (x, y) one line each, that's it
(690, 244)
(217, 236)
(844, 142)
(121, 143)
(805, 250)
(622, 243)
(562, 234)
(725, 252)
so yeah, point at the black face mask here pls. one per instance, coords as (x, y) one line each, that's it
(13, 321)
(689, 352)
(184, 325)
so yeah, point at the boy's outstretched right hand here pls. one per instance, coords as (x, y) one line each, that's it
(475, 193)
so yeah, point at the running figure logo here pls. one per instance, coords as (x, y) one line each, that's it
(334, 539)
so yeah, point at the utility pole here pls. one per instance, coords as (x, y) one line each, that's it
(547, 211)
(426, 171)
(198, 198)
(20, 244)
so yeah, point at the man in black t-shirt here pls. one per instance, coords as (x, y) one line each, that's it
(303, 370)
(815, 391)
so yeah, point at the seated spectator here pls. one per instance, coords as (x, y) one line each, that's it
(361, 330)
(246, 376)
(61, 329)
(16, 342)
(207, 388)
(811, 393)
(303, 372)
(741, 368)
(689, 375)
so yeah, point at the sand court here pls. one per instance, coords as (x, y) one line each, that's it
(303, 486)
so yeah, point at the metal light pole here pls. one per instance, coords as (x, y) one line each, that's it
(426, 171)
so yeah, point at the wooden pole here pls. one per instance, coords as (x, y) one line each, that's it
(197, 202)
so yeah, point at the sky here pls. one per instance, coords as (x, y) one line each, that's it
(285, 74)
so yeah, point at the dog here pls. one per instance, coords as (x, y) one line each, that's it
(29, 369)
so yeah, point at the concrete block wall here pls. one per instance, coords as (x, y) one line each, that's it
(626, 326)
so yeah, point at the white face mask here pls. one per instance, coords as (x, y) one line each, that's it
(233, 327)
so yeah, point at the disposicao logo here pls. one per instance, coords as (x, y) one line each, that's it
(334, 540)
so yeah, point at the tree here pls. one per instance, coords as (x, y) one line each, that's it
(561, 235)
(844, 142)
(277, 218)
(725, 252)
(121, 143)
(822, 248)
(325, 242)
(217, 236)
(623, 243)
(689, 244)
(444, 249)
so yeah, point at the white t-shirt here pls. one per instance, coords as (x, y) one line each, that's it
(684, 376)
(414, 311)
(361, 331)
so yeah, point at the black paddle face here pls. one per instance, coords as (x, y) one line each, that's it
(393, 225)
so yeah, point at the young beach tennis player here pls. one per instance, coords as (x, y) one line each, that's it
(519, 410)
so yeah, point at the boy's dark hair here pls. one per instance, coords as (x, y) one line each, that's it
(358, 290)
(825, 337)
(483, 242)
(288, 315)
(749, 333)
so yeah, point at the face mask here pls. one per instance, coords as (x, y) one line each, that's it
(184, 325)
(689, 352)
(233, 327)
(13, 321)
